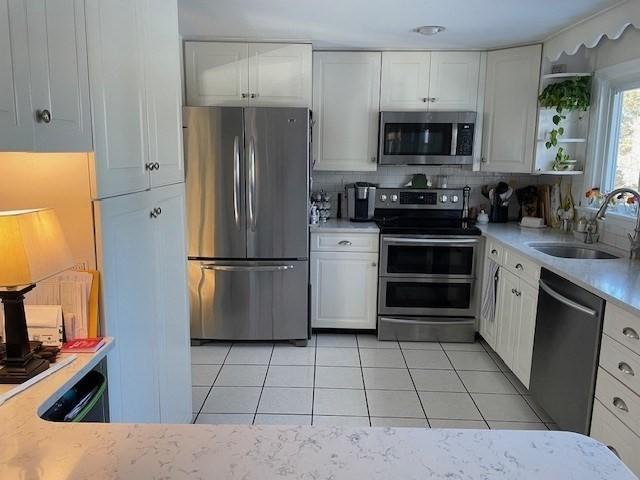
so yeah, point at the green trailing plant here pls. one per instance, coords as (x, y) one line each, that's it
(570, 95)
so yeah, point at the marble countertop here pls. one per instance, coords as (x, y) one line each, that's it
(344, 225)
(31, 448)
(617, 280)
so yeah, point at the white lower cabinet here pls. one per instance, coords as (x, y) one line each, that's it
(344, 286)
(142, 257)
(515, 317)
(616, 411)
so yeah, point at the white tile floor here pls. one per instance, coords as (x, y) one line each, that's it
(346, 379)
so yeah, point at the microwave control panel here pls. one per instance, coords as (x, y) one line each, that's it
(464, 146)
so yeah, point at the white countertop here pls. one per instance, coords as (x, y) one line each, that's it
(344, 225)
(617, 280)
(31, 448)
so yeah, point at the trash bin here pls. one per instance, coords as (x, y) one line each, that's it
(82, 401)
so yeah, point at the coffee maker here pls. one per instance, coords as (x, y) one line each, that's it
(361, 201)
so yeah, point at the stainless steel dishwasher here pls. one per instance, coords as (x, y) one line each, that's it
(565, 351)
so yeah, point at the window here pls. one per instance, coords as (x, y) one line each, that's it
(623, 162)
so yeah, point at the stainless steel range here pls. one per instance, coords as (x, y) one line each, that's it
(427, 286)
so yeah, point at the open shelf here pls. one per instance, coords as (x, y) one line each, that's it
(566, 140)
(553, 76)
(561, 172)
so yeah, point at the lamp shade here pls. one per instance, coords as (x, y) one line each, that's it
(32, 247)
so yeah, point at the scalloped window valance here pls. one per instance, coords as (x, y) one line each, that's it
(611, 22)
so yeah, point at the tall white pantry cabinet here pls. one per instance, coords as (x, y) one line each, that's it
(134, 71)
(104, 77)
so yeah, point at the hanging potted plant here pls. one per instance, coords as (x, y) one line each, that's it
(573, 94)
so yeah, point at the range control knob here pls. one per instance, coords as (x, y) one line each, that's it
(454, 199)
(394, 198)
(383, 197)
(443, 199)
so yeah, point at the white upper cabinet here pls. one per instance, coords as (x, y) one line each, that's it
(216, 73)
(254, 74)
(454, 81)
(59, 77)
(279, 75)
(430, 81)
(116, 68)
(44, 90)
(163, 92)
(346, 104)
(134, 73)
(510, 112)
(16, 121)
(405, 80)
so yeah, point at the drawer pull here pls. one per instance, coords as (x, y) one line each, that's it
(519, 266)
(615, 452)
(620, 404)
(630, 333)
(494, 252)
(345, 243)
(626, 368)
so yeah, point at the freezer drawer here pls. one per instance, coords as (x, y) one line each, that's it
(249, 300)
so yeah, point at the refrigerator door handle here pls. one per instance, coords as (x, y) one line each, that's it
(252, 184)
(236, 180)
(256, 267)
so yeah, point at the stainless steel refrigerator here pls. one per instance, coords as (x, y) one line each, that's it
(247, 202)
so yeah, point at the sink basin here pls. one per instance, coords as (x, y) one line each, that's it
(573, 251)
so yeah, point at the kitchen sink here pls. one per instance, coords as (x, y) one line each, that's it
(572, 251)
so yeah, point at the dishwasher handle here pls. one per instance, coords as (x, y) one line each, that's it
(569, 303)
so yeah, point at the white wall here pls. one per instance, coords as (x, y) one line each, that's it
(57, 180)
(612, 52)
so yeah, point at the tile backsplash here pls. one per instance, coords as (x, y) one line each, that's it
(386, 176)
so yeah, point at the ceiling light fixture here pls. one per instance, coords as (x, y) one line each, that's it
(429, 29)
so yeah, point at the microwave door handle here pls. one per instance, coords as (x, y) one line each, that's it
(454, 139)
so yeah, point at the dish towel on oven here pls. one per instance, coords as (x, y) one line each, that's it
(489, 294)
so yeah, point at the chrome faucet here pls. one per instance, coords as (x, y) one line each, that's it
(635, 238)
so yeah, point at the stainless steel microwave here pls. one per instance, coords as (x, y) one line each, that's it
(426, 138)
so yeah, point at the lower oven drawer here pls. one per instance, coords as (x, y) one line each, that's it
(426, 296)
(426, 329)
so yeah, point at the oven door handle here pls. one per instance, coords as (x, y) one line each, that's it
(431, 241)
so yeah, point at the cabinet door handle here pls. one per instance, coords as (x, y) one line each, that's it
(433, 99)
(630, 333)
(519, 266)
(148, 166)
(513, 290)
(43, 116)
(620, 404)
(254, 95)
(345, 243)
(156, 166)
(245, 95)
(494, 252)
(374, 264)
(155, 212)
(625, 368)
(425, 99)
(518, 293)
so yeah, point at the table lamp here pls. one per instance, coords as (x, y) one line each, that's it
(32, 248)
